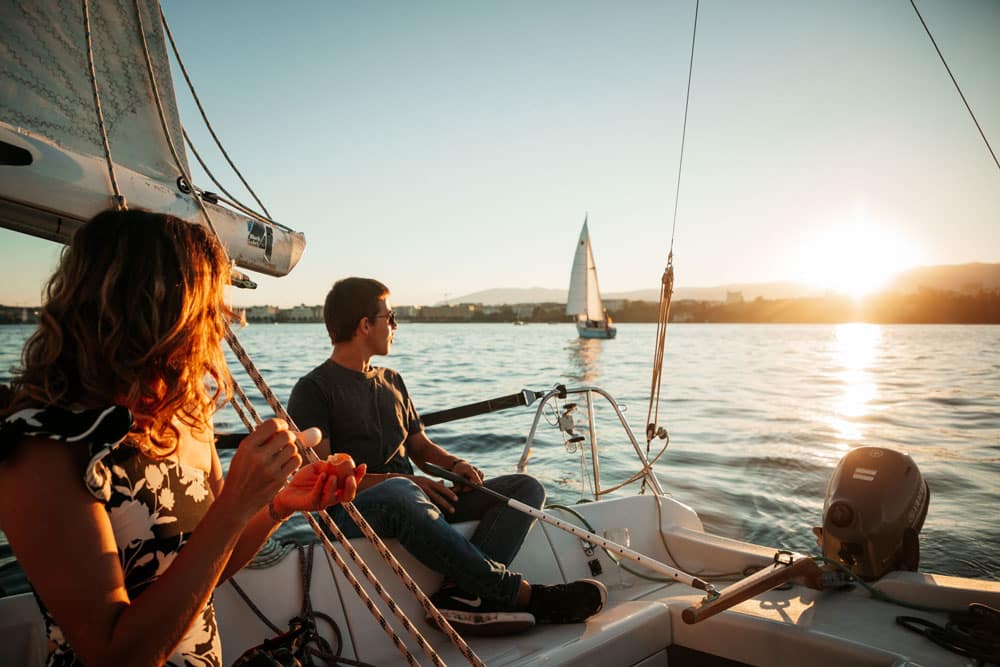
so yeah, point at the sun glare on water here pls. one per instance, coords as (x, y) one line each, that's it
(855, 258)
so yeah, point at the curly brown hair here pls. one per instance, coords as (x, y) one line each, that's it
(134, 315)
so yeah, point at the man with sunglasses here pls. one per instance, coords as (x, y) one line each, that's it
(366, 411)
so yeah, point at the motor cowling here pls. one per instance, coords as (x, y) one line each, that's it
(875, 506)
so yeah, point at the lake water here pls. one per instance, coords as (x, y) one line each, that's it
(758, 415)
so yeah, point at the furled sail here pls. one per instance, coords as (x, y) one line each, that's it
(54, 171)
(584, 296)
(45, 87)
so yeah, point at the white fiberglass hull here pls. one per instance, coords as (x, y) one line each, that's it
(59, 189)
(640, 625)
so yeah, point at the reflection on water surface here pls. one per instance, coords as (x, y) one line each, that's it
(856, 348)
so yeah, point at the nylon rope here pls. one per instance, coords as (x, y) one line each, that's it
(250, 419)
(232, 200)
(667, 285)
(117, 197)
(309, 455)
(687, 100)
(163, 121)
(957, 87)
(204, 117)
(364, 527)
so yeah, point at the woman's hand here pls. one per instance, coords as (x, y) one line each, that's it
(261, 465)
(318, 485)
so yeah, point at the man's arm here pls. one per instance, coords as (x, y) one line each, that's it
(423, 450)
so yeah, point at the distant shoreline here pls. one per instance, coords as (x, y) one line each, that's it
(922, 307)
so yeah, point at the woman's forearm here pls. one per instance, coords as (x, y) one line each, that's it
(255, 534)
(150, 627)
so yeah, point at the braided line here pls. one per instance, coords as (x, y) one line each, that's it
(365, 528)
(117, 198)
(356, 585)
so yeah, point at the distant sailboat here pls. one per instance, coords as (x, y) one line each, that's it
(584, 300)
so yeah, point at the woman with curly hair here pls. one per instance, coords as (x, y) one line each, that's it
(111, 490)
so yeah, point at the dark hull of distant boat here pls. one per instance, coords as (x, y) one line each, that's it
(599, 331)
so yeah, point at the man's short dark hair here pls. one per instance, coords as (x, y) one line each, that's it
(348, 301)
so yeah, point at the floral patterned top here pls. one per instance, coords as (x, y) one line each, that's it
(153, 505)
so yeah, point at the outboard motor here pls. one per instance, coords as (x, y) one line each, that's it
(875, 506)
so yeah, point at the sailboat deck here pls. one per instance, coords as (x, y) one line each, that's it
(640, 625)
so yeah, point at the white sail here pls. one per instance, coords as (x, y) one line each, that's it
(53, 169)
(45, 85)
(584, 296)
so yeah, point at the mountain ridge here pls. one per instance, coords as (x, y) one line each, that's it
(953, 277)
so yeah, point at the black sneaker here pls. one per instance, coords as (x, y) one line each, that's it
(574, 602)
(472, 615)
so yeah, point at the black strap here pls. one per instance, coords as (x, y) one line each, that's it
(524, 397)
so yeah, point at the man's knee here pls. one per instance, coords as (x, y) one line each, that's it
(400, 490)
(524, 488)
(396, 505)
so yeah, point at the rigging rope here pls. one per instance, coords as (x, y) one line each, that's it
(687, 100)
(309, 455)
(232, 201)
(365, 528)
(163, 120)
(331, 550)
(667, 285)
(957, 87)
(117, 198)
(204, 117)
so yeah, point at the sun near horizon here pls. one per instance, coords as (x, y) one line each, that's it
(856, 258)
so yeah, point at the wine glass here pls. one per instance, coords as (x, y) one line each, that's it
(620, 536)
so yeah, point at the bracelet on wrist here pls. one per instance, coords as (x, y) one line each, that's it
(273, 513)
(454, 464)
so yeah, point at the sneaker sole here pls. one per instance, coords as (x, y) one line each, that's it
(489, 624)
(602, 592)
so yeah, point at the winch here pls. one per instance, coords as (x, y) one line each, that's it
(875, 506)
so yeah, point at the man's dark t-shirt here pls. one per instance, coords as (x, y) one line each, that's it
(367, 415)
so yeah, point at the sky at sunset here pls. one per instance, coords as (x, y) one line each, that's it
(451, 147)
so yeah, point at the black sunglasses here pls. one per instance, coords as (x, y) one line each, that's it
(390, 317)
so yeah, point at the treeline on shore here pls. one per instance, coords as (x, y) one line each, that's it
(925, 306)
(922, 307)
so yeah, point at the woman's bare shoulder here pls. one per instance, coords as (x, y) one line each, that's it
(41, 466)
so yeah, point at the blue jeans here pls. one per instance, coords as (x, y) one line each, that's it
(397, 508)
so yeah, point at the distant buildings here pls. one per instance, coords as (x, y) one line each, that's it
(262, 314)
(969, 305)
(17, 315)
(300, 313)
